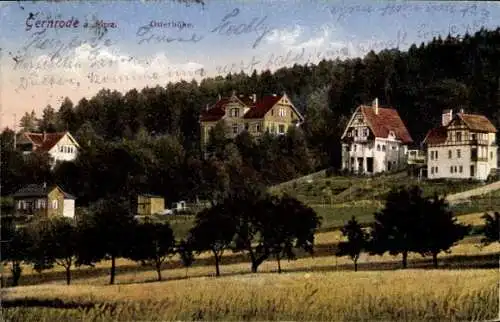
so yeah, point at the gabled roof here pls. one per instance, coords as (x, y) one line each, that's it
(46, 141)
(437, 135)
(39, 190)
(386, 120)
(216, 111)
(474, 122)
(477, 122)
(262, 107)
(256, 110)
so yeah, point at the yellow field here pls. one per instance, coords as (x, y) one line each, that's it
(423, 295)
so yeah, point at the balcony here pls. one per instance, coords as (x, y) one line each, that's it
(416, 157)
(478, 142)
(475, 158)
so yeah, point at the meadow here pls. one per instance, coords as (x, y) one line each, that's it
(321, 287)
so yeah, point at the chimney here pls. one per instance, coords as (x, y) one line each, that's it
(44, 185)
(461, 111)
(44, 135)
(206, 107)
(254, 98)
(375, 105)
(446, 117)
(219, 97)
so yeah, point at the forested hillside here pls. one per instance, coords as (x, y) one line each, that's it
(148, 139)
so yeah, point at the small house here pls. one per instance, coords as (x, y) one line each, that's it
(149, 204)
(43, 200)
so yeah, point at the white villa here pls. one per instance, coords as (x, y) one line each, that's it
(463, 147)
(60, 146)
(375, 140)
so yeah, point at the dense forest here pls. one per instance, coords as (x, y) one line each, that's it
(148, 139)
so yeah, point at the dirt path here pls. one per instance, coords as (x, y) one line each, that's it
(465, 195)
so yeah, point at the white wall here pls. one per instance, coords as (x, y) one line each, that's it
(56, 153)
(69, 208)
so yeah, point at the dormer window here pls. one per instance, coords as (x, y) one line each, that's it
(391, 134)
(235, 112)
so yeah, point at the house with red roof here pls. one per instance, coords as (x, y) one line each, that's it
(61, 146)
(463, 147)
(273, 114)
(375, 140)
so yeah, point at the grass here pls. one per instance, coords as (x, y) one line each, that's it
(415, 295)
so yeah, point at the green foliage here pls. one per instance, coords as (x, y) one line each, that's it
(357, 241)
(152, 243)
(105, 233)
(491, 228)
(411, 222)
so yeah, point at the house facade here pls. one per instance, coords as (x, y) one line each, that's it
(149, 205)
(375, 140)
(273, 114)
(60, 146)
(43, 200)
(463, 147)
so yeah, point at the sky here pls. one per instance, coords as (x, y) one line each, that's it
(122, 45)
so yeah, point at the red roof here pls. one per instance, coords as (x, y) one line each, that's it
(262, 107)
(216, 112)
(42, 143)
(437, 135)
(385, 121)
(477, 122)
(256, 110)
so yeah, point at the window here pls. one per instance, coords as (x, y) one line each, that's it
(491, 154)
(281, 128)
(366, 132)
(282, 112)
(391, 133)
(54, 204)
(455, 169)
(460, 169)
(394, 147)
(355, 147)
(246, 126)
(449, 154)
(235, 128)
(436, 154)
(383, 147)
(355, 132)
(473, 136)
(436, 169)
(459, 153)
(235, 112)
(60, 148)
(257, 128)
(378, 147)
(272, 112)
(459, 136)
(451, 169)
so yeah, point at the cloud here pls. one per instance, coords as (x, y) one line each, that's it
(296, 38)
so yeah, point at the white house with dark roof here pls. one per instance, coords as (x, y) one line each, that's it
(375, 140)
(60, 146)
(463, 147)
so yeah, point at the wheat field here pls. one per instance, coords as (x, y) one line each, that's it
(410, 295)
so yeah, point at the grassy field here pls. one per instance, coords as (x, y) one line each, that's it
(411, 295)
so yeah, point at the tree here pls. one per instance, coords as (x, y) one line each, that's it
(288, 225)
(57, 243)
(213, 231)
(217, 140)
(396, 227)
(105, 234)
(186, 253)
(49, 120)
(16, 247)
(28, 122)
(439, 227)
(491, 229)
(153, 243)
(357, 240)
(272, 226)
